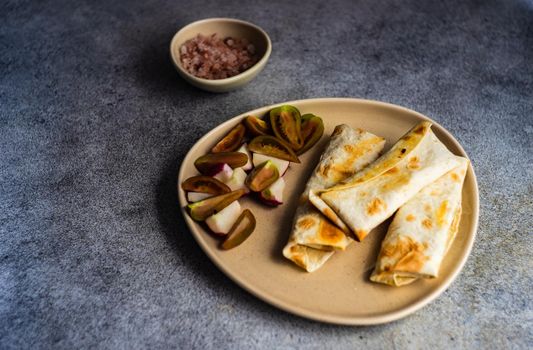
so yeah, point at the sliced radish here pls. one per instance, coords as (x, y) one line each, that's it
(244, 149)
(197, 196)
(237, 180)
(281, 164)
(224, 173)
(273, 195)
(221, 222)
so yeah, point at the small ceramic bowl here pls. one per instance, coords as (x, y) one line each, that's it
(224, 27)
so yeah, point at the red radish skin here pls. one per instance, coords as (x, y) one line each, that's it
(224, 174)
(273, 195)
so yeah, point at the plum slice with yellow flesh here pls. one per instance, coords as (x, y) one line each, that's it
(203, 209)
(211, 163)
(204, 184)
(262, 176)
(240, 231)
(312, 131)
(231, 141)
(274, 147)
(286, 124)
(256, 126)
(244, 149)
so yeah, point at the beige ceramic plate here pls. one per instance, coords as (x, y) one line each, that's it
(339, 292)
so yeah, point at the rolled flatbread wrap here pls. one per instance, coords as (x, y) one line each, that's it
(314, 238)
(372, 195)
(422, 231)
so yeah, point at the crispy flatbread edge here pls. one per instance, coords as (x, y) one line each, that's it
(402, 278)
(397, 153)
(309, 259)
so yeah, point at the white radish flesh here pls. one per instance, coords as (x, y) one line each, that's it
(273, 195)
(221, 222)
(237, 180)
(281, 164)
(197, 196)
(224, 174)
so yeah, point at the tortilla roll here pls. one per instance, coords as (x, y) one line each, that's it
(371, 196)
(313, 238)
(422, 231)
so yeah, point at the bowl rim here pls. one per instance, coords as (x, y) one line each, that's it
(220, 82)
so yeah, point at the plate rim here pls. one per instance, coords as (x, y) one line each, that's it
(320, 316)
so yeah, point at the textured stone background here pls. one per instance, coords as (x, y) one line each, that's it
(94, 122)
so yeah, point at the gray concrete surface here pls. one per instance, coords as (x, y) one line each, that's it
(94, 123)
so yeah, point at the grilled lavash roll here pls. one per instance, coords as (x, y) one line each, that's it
(422, 231)
(313, 238)
(371, 196)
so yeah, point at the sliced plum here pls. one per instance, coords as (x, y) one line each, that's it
(312, 131)
(244, 149)
(274, 147)
(262, 176)
(286, 124)
(203, 209)
(240, 231)
(256, 126)
(231, 141)
(211, 163)
(204, 184)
